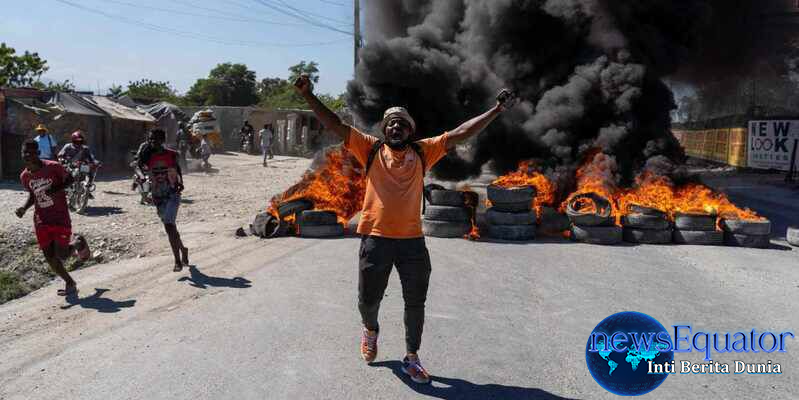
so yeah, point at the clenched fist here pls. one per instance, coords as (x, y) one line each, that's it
(303, 84)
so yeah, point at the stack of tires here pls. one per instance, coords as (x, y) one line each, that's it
(593, 227)
(318, 224)
(552, 223)
(698, 229)
(446, 214)
(646, 225)
(744, 233)
(792, 235)
(511, 216)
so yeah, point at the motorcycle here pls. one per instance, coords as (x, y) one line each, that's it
(246, 144)
(141, 183)
(80, 191)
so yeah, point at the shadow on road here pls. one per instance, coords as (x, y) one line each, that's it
(97, 302)
(452, 388)
(202, 281)
(102, 211)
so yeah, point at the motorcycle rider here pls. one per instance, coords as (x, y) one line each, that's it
(139, 174)
(77, 151)
(247, 132)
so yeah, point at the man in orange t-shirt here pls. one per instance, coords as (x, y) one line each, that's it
(390, 223)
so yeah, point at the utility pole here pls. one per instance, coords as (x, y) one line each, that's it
(357, 31)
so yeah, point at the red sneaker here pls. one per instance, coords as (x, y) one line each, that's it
(412, 367)
(369, 345)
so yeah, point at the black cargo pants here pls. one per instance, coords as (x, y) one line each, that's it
(410, 256)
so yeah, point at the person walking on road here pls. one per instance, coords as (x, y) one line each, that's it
(166, 188)
(183, 139)
(47, 143)
(390, 224)
(45, 181)
(266, 141)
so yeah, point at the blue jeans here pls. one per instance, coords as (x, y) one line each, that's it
(168, 208)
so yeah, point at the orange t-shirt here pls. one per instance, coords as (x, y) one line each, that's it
(392, 206)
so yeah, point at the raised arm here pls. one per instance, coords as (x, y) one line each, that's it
(329, 119)
(476, 125)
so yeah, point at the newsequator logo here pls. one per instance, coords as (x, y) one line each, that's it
(630, 353)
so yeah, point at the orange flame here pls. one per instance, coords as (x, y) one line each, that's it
(473, 234)
(526, 175)
(595, 176)
(660, 193)
(334, 186)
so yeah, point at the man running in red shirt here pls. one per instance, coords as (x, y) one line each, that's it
(45, 182)
(166, 187)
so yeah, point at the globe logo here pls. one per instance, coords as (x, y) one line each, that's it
(619, 351)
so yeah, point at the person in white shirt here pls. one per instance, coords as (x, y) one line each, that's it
(205, 152)
(47, 143)
(266, 141)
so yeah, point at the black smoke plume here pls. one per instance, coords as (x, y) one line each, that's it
(590, 73)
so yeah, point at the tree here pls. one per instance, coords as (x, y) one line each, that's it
(334, 103)
(227, 85)
(149, 89)
(280, 93)
(116, 91)
(270, 86)
(65, 86)
(24, 70)
(310, 68)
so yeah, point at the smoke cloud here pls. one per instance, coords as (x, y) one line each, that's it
(590, 74)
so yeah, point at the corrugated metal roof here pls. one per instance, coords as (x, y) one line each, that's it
(116, 110)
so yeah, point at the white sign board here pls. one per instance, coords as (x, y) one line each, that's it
(771, 143)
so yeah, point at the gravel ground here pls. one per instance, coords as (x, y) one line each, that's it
(118, 227)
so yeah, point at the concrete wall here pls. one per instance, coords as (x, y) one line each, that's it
(297, 132)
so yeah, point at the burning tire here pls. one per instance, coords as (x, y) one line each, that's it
(709, 238)
(495, 217)
(447, 213)
(745, 227)
(266, 225)
(512, 207)
(792, 235)
(645, 221)
(512, 232)
(695, 222)
(316, 217)
(741, 240)
(321, 231)
(647, 236)
(638, 209)
(551, 222)
(498, 194)
(604, 235)
(443, 197)
(600, 216)
(445, 229)
(293, 207)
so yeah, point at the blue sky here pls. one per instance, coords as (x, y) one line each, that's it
(94, 50)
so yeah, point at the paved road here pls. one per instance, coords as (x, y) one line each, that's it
(276, 319)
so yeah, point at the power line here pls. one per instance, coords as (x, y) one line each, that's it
(304, 12)
(225, 17)
(302, 17)
(192, 35)
(249, 9)
(335, 3)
